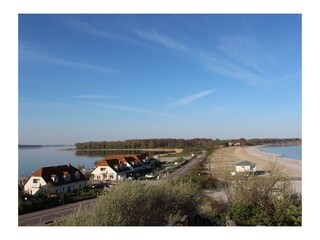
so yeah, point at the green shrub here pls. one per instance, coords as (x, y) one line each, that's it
(264, 200)
(136, 204)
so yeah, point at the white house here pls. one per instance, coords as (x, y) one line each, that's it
(245, 166)
(117, 167)
(110, 168)
(64, 178)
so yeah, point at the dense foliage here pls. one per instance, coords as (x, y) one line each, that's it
(264, 200)
(196, 143)
(148, 143)
(138, 204)
(259, 141)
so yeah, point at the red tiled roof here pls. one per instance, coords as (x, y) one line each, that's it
(120, 159)
(47, 172)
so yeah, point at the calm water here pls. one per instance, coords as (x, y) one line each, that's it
(31, 159)
(292, 151)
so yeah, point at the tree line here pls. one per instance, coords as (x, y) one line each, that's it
(202, 143)
(148, 143)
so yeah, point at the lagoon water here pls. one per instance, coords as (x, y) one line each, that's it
(33, 158)
(288, 151)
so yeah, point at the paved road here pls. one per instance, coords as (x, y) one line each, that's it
(186, 168)
(44, 217)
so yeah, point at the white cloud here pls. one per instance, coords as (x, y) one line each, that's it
(191, 98)
(92, 97)
(93, 31)
(243, 50)
(34, 54)
(163, 40)
(235, 57)
(124, 108)
(230, 69)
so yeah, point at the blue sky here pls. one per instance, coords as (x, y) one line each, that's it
(115, 77)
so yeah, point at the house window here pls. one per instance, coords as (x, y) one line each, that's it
(67, 177)
(36, 180)
(102, 169)
(54, 179)
(77, 175)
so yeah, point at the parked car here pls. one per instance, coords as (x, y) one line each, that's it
(149, 175)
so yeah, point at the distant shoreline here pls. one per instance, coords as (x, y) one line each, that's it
(176, 150)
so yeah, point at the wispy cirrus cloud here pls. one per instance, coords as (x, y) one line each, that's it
(162, 39)
(31, 53)
(232, 70)
(243, 50)
(101, 32)
(234, 56)
(88, 96)
(238, 57)
(124, 108)
(33, 102)
(191, 98)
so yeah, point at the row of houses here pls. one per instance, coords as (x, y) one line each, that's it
(67, 178)
(118, 167)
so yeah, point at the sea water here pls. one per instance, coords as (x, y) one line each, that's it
(287, 151)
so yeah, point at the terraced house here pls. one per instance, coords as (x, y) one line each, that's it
(64, 178)
(118, 167)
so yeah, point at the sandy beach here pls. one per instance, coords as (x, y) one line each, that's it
(224, 160)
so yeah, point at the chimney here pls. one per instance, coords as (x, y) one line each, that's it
(69, 165)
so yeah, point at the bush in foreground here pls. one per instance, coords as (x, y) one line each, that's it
(264, 200)
(137, 204)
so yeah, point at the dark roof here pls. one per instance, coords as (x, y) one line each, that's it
(246, 163)
(121, 159)
(117, 165)
(47, 172)
(133, 161)
(114, 162)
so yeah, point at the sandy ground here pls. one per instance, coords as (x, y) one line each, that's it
(223, 161)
